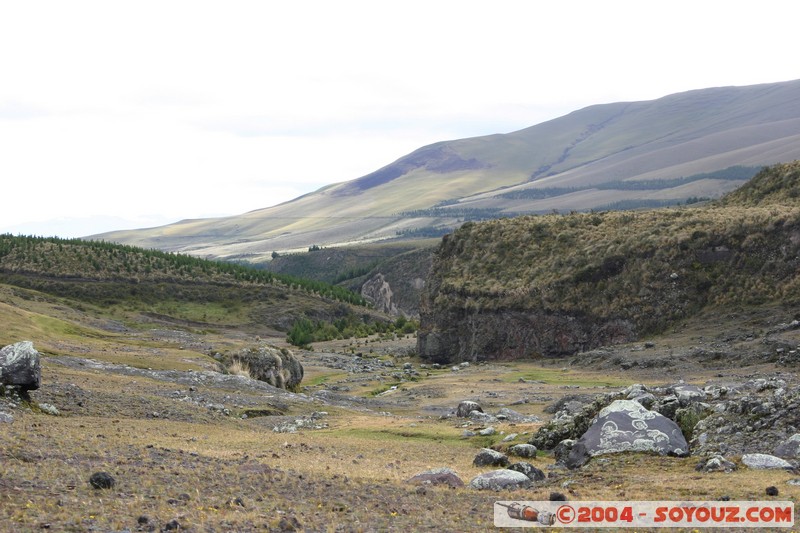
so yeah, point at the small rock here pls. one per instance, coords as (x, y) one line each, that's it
(509, 437)
(488, 457)
(102, 480)
(772, 491)
(716, 464)
(236, 502)
(533, 473)
(500, 479)
(49, 409)
(466, 407)
(557, 497)
(143, 520)
(523, 450)
(763, 461)
(487, 432)
(289, 523)
(562, 450)
(790, 449)
(483, 418)
(172, 525)
(6, 418)
(437, 476)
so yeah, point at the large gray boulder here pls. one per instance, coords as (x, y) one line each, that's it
(500, 479)
(627, 426)
(790, 448)
(20, 367)
(276, 366)
(437, 476)
(466, 407)
(763, 461)
(489, 457)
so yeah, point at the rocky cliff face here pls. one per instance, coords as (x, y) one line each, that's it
(455, 336)
(555, 285)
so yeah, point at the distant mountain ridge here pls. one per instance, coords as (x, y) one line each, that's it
(689, 145)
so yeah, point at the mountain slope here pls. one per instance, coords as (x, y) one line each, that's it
(589, 159)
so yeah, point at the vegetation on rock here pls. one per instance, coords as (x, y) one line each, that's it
(571, 278)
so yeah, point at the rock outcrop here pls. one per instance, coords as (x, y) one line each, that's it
(378, 292)
(20, 367)
(626, 426)
(276, 366)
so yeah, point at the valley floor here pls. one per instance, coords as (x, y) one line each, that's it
(202, 451)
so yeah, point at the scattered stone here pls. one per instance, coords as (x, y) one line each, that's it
(289, 524)
(487, 432)
(763, 461)
(626, 426)
(467, 434)
(20, 367)
(533, 473)
(509, 437)
(562, 450)
(466, 407)
(143, 520)
(298, 424)
(518, 418)
(687, 394)
(772, 491)
(716, 464)
(236, 502)
(523, 450)
(489, 457)
(49, 409)
(102, 480)
(500, 479)
(172, 525)
(5, 418)
(437, 476)
(789, 449)
(482, 418)
(557, 497)
(794, 482)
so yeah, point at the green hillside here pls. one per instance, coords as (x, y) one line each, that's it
(123, 281)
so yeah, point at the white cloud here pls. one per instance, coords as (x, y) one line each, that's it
(186, 108)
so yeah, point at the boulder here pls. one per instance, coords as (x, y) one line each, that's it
(20, 367)
(489, 457)
(763, 461)
(102, 480)
(5, 418)
(687, 394)
(466, 407)
(626, 426)
(562, 450)
(533, 473)
(789, 449)
(437, 476)
(523, 450)
(518, 418)
(482, 418)
(499, 480)
(276, 366)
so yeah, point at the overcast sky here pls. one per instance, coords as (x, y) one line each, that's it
(130, 114)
